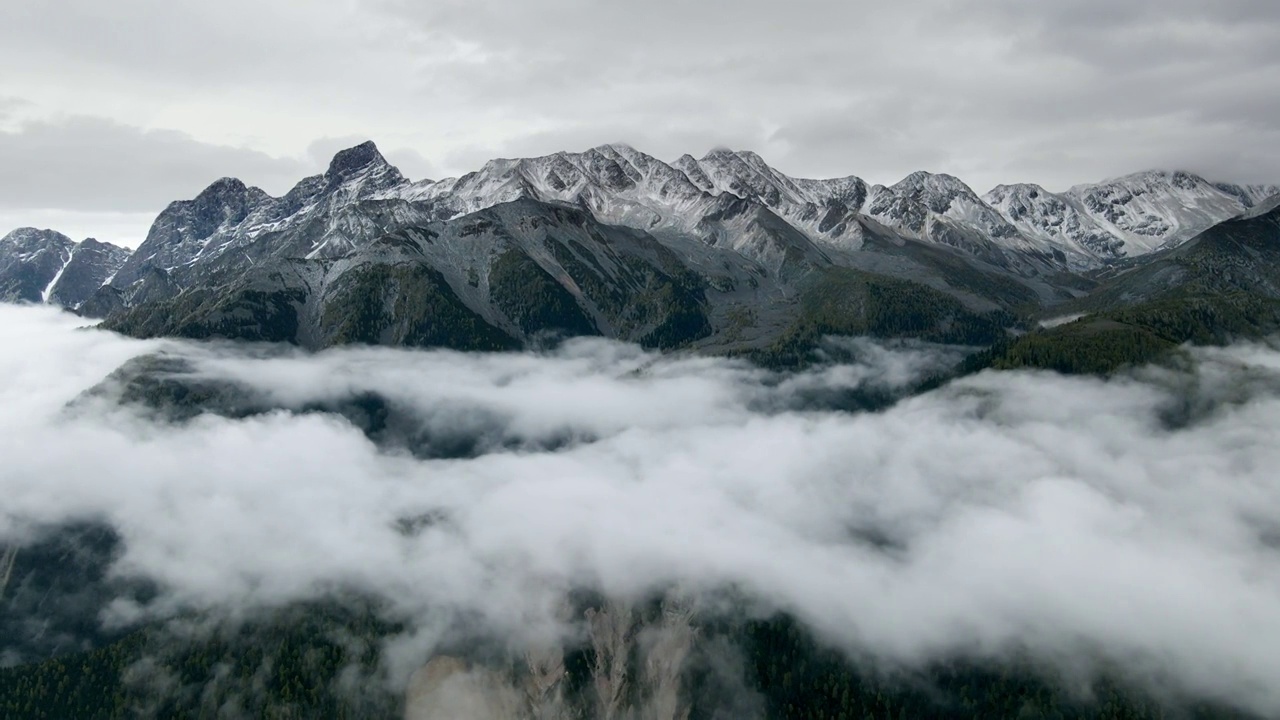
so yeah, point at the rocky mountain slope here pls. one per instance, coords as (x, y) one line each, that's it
(1240, 255)
(1222, 285)
(490, 280)
(320, 215)
(46, 266)
(717, 252)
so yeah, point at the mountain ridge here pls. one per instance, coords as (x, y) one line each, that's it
(735, 247)
(45, 266)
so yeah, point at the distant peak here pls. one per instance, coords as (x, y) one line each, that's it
(28, 234)
(96, 243)
(22, 232)
(719, 152)
(227, 183)
(354, 159)
(921, 178)
(724, 157)
(914, 179)
(1179, 179)
(221, 189)
(1030, 190)
(1267, 206)
(1158, 176)
(618, 147)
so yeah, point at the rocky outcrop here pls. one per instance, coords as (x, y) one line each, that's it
(448, 688)
(7, 559)
(637, 669)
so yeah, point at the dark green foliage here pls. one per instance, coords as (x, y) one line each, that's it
(407, 304)
(86, 686)
(960, 272)
(532, 299)
(1095, 347)
(1204, 319)
(1140, 334)
(843, 301)
(172, 389)
(236, 313)
(1234, 258)
(56, 591)
(1222, 286)
(656, 305)
(802, 680)
(315, 661)
(321, 661)
(679, 304)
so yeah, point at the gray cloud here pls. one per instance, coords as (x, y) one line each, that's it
(91, 164)
(1129, 520)
(92, 177)
(989, 91)
(993, 92)
(123, 229)
(198, 46)
(10, 105)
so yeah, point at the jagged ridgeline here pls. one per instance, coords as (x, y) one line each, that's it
(494, 280)
(722, 254)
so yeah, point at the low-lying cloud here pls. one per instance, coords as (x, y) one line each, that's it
(1133, 520)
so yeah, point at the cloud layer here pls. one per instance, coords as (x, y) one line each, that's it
(993, 92)
(1130, 520)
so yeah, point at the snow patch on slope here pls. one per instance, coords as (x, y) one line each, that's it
(48, 290)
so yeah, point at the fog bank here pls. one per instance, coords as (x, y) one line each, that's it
(1134, 520)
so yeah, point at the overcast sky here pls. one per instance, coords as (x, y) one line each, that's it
(110, 110)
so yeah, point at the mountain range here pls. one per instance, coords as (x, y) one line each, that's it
(722, 253)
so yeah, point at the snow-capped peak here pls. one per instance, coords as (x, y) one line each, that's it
(46, 266)
(356, 158)
(1155, 208)
(1055, 219)
(36, 239)
(1249, 195)
(937, 191)
(361, 194)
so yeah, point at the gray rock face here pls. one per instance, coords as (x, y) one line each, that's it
(1043, 215)
(7, 559)
(1125, 217)
(318, 216)
(92, 264)
(43, 266)
(639, 671)
(30, 261)
(488, 280)
(749, 232)
(103, 302)
(1249, 195)
(1238, 257)
(446, 687)
(186, 229)
(1150, 210)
